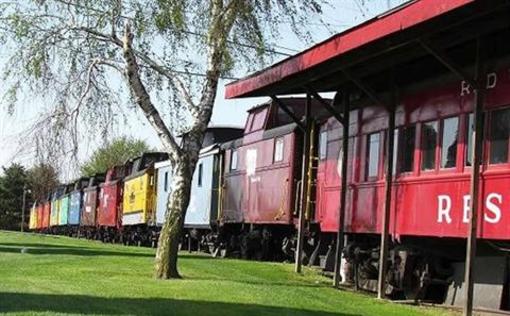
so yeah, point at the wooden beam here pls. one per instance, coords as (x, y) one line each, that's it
(291, 114)
(443, 58)
(390, 144)
(343, 190)
(476, 155)
(304, 187)
(327, 106)
(367, 90)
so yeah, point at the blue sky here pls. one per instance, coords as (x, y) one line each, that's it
(341, 15)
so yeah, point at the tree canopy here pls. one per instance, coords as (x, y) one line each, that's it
(114, 153)
(42, 179)
(11, 194)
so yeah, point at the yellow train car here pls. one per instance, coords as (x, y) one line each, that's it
(54, 217)
(138, 205)
(32, 223)
(55, 206)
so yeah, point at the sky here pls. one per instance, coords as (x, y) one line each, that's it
(341, 15)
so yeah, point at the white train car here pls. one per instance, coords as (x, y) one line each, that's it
(202, 213)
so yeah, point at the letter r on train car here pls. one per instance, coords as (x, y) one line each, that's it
(444, 206)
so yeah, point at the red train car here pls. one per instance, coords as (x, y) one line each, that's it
(88, 216)
(39, 210)
(45, 216)
(432, 142)
(262, 173)
(109, 214)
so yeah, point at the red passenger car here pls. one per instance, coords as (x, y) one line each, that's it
(431, 174)
(109, 214)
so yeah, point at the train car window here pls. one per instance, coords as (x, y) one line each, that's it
(372, 159)
(258, 120)
(136, 165)
(200, 171)
(499, 133)
(449, 142)
(323, 145)
(278, 149)
(470, 128)
(429, 143)
(406, 147)
(395, 151)
(233, 160)
(166, 181)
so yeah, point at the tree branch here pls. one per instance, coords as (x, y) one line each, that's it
(142, 98)
(164, 71)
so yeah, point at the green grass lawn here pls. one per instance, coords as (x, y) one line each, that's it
(59, 275)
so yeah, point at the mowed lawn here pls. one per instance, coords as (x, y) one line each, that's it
(59, 275)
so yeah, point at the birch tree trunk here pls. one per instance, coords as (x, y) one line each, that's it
(178, 200)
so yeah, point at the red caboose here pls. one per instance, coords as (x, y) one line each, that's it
(39, 210)
(109, 214)
(262, 173)
(88, 216)
(45, 216)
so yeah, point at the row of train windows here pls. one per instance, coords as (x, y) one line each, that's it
(199, 180)
(277, 153)
(439, 141)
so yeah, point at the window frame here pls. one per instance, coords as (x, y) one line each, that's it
(366, 170)
(323, 145)
(416, 145)
(200, 175)
(232, 167)
(488, 141)
(436, 148)
(277, 141)
(439, 148)
(466, 131)
(264, 111)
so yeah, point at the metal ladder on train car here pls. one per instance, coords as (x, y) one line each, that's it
(311, 185)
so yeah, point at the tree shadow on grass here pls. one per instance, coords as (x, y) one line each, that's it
(41, 248)
(82, 304)
(268, 282)
(41, 245)
(75, 251)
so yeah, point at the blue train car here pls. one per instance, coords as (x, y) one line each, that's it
(76, 201)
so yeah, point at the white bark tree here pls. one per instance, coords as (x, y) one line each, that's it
(170, 54)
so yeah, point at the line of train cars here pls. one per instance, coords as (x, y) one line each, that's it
(229, 210)
(246, 186)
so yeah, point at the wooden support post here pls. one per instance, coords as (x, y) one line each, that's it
(343, 190)
(387, 201)
(476, 155)
(303, 200)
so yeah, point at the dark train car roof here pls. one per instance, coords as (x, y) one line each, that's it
(95, 180)
(145, 161)
(221, 134)
(232, 144)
